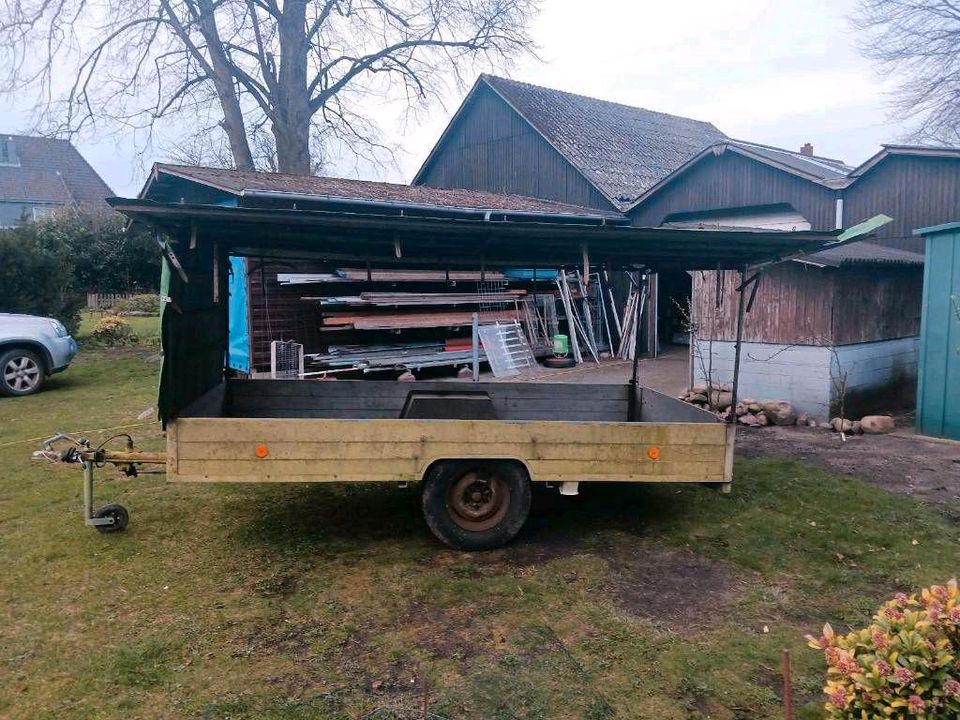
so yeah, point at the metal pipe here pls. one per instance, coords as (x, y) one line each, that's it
(88, 489)
(741, 310)
(787, 687)
(475, 346)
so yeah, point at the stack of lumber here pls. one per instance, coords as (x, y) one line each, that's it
(354, 275)
(410, 356)
(407, 320)
(409, 299)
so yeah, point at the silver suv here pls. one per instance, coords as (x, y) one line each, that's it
(31, 348)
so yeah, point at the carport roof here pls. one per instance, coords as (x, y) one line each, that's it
(351, 232)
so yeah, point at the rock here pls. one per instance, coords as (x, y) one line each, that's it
(812, 423)
(698, 390)
(741, 409)
(857, 428)
(877, 424)
(753, 407)
(699, 399)
(802, 420)
(748, 420)
(762, 419)
(748, 401)
(407, 377)
(720, 400)
(779, 412)
(466, 372)
(841, 425)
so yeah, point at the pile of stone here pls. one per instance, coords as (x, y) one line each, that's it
(867, 425)
(749, 412)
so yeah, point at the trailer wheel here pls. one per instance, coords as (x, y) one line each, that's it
(119, 515)
(476, 504)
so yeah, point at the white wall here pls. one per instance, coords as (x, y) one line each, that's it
(808, 375)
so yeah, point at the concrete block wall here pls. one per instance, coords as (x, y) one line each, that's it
(879, 374)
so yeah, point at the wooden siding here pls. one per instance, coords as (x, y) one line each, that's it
(793, 306)
(875, 303)
(731, 181)
(798, 304)
(493, 148)
(915, 191)
(325, 450)
(276, 311)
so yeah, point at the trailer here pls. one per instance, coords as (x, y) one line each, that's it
(474, 448)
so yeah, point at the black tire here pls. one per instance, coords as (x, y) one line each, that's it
(476, 504)
(22, 372)
(120, 518)
(559, 362)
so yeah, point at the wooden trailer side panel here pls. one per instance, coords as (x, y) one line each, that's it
(335, 450)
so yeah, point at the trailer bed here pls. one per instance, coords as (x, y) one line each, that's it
(368, 431)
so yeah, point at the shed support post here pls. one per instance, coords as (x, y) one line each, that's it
(635, 375)
(475, 346)
(741, 311)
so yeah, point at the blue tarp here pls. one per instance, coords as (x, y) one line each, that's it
(239, 349)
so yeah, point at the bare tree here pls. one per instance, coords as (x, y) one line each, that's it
(299, 68)
(918, 41)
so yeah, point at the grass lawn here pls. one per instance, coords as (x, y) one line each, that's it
(327, 602)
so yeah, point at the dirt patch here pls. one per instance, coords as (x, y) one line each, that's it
(900, 462)
(676, 588)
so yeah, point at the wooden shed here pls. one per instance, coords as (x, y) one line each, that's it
(834, 333)
(938, 381)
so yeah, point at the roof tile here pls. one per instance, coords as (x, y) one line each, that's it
(623, 150)
(50, 170)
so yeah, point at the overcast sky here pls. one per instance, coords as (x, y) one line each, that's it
(781, 73)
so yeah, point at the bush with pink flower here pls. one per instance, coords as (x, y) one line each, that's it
(906, 665)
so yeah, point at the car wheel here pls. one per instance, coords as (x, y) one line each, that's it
(476, 504)
(21, 372)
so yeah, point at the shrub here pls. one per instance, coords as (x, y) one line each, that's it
(113, 330)
(35, 281)
(142, 304)
(904, 665)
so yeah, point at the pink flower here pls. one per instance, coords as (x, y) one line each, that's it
(916, 704)
(847, 665)
(952, 688)
(901, 599)
(880, 641)
(883, 667)
(839, 698)
(934, 611)
(892, 614)
(903, 675)
(955, 615)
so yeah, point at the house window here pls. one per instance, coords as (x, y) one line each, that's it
(42, 211)
(8, 152)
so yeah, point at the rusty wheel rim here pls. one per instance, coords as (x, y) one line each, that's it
(478, 500)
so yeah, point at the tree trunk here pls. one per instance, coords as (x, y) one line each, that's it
(293, 147)
(235, 129)
(291, 124)
(232, 123)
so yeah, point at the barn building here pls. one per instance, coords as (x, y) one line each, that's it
(838, 330)
(514, 137)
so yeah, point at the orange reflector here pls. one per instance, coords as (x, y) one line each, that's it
(261, 451)
(653, 453)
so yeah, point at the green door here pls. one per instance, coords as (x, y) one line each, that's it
(938, 389)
